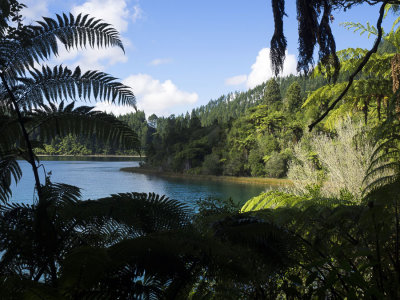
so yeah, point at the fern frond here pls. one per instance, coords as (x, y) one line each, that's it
(145, 213)
(378, 65)
(8, 207)
(382, 168)
(386, 145)
(62, 83)
(59, 194)
(54, 121)
(40, 41)
(362, 88)
(9, 171)
(370, 29)
(270, 241)
(271, 200)
(384, 157)
(380, 182)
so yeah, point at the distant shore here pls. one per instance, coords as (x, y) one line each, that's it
(92, 155)
(245, 180)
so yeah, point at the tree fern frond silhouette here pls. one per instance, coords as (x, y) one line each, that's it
(25, 87)
(62, 83)
(36, 43)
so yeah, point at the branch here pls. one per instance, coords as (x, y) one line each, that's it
(360, 67)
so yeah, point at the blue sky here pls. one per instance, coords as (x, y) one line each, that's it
(180, 54)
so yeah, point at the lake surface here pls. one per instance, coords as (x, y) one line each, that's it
(100, 177)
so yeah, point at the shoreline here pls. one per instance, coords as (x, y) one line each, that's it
(91, 155)
(244, 180)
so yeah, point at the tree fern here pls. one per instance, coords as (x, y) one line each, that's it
(358, 27)
(49, 122)
(365, 95)
(384, 168)
(24, 87)
(144, 213)
(39, 42)
(9, 171)
(271, 199)
(52, 121)
(61, 83)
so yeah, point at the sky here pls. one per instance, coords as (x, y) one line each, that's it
(180, 54)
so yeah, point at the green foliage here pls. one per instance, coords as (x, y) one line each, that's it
(293, 99)
(276, 165)
(336, 162)
(272, 200)
(238, 134)
(385, 168)
(212, 164)
(272, 94)
(371, 89)
(145, 246)
(339, 249)
(256, 162)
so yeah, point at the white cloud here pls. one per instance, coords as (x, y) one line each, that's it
(114, 12)
(236, 80)
(153, 96)
(91, 58)
(137, 13)
(114, 109)
(261, 70)
(35, 10)
(160, 61)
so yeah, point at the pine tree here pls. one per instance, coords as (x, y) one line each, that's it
(272, 94)
(293, 97)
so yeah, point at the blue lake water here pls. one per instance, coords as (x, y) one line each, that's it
(101, 177)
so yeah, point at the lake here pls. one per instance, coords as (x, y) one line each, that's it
(100, 177)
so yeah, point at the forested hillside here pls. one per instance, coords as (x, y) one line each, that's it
(236, 104)
(240, 134)
(254, 133)
(333, 233)
(249, 133)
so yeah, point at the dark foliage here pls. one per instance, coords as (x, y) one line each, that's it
(314, 28)
(278, 41)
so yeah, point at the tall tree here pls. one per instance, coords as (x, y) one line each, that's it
(293, 97)
(272, 94)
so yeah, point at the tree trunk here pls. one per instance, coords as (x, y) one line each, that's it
(395, 64)
(25, 134)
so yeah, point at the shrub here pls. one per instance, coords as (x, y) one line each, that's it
(336, 163)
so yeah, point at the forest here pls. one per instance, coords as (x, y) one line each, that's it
(333, 131)
(199, 142)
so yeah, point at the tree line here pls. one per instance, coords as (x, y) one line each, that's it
(329, 237)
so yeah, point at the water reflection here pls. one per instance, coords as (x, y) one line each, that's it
(100, 177)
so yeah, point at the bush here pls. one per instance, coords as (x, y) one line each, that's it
(276, 165)
(337, 163)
